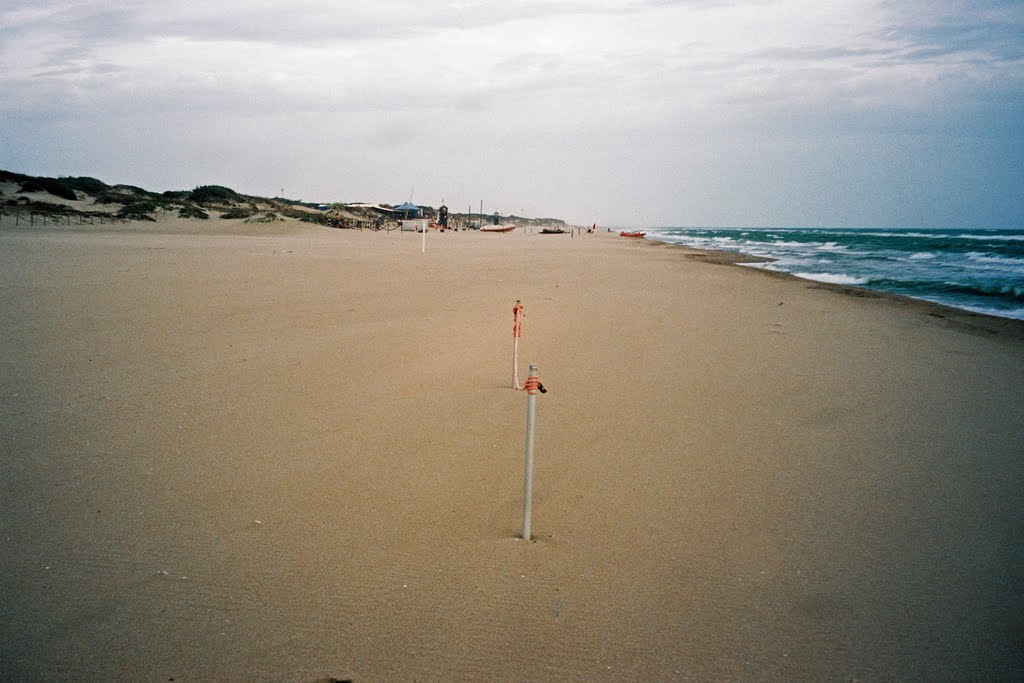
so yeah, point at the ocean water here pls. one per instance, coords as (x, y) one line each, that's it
(977, 270)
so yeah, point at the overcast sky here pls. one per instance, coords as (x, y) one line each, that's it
(645, 112)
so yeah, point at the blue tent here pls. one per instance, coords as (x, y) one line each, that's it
(409, 209)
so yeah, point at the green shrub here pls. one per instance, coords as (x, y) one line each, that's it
(136, 191)
(90, 186)
(44, 207)
(31, 185)
(295, 202)
(213, 194)
(237, 213)
(138, 211)
(266, 217)
(51, 185)
(113, 196)
(193, 212)
(110, 197)
(306, 217)
(6, 176)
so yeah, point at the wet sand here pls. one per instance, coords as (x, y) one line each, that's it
(297, 455)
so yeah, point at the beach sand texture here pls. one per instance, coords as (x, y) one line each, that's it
(297, 455)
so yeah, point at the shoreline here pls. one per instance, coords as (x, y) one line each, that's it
(299, 456)
(984, 323)
(979, 322)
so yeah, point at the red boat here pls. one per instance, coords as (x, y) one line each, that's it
(633, 233)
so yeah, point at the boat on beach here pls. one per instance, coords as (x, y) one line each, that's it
(552, 231)
(632, 233)
(497, 228)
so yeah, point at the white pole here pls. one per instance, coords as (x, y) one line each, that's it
(515, 363)
(531, 412)
(423, 247)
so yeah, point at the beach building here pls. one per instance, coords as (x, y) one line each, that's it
(411, 217)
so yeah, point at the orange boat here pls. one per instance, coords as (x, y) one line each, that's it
(632, 233)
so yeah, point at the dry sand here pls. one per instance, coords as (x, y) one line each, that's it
(296, 455)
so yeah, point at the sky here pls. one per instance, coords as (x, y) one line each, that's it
(846, 113)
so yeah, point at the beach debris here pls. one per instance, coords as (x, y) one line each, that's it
(257, 521)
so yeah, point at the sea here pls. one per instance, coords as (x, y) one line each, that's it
(977, 270)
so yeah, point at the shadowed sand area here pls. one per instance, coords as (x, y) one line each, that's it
(297, 455)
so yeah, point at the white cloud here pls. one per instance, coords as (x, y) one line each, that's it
(693, 57)
(570, 84)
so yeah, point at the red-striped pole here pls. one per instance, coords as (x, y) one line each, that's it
(517, 330)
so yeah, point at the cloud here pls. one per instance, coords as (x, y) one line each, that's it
(700, 55)
(606, 89)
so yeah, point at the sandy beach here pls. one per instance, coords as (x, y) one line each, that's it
(295, 454)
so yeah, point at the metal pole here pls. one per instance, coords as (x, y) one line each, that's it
(531, 412)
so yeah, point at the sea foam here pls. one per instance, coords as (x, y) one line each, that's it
(979, 270)
(833, 278)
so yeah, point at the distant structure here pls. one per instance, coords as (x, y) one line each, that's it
(415, 224)
(442, 217)
(408, 210)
